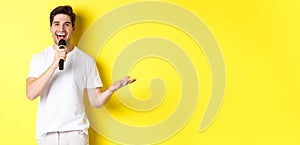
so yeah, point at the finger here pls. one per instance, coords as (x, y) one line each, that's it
(126, 78)
(61, 56)
(61, 53)
(125, 82)
(131, 81)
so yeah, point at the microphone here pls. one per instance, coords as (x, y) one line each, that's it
(62, 45)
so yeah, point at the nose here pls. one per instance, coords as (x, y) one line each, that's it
(61, 28)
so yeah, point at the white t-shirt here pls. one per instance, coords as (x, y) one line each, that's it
(61, 106)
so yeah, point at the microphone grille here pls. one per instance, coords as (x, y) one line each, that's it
(62, 42)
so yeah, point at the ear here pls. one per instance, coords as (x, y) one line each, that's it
(74, 28)
(50, 28)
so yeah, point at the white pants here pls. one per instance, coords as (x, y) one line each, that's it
(77, 137)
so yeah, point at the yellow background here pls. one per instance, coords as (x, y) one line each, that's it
(259, 41)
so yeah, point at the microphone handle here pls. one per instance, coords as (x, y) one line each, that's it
(61, 62)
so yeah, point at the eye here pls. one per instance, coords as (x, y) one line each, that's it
(55, 24)
(67, 24)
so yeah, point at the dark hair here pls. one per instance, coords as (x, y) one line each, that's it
(67, 10)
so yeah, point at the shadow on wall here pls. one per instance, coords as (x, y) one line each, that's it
(79, 30)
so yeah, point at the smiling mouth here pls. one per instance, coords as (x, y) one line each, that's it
(61, 36)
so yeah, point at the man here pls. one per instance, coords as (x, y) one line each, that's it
(61, 118)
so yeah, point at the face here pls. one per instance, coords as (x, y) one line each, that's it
(61, 28)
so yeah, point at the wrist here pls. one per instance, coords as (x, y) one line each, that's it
(111, 89)
(54, 65)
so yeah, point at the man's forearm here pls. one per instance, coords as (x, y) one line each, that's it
(98, 98)
(35, 86)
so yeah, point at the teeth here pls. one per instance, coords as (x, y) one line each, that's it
(61, 34)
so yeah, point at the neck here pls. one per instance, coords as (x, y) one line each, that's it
(69, 47)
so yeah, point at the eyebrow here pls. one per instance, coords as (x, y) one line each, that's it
(55, 22)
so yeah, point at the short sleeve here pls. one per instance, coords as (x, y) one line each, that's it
(93, 79)
(35, 69)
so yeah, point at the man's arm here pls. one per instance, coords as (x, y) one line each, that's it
(98, 98)
(36, 86)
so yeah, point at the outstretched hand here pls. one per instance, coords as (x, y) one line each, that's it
(121, 83)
